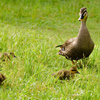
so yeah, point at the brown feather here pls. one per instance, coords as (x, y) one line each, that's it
(81, 46)
(65, 74)
(2, 78)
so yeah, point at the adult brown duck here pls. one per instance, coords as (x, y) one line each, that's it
(81, 46)
(66, 74)
(2, 78)
(5, 56)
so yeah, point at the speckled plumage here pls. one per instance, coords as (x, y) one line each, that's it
(66, 74)
(5, 56)
(2, 78)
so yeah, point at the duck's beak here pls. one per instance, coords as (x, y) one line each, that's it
(81, 17)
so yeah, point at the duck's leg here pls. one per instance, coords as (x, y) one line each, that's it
(74, 62)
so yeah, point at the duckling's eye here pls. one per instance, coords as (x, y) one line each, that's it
(73, 70)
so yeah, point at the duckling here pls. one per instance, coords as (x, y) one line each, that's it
(81, 46)
(2, 78)
(65, 74)
(5, 56)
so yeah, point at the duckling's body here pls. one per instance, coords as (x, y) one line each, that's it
(81, 46)
(66, 74)
(5, 56)
(2, 78)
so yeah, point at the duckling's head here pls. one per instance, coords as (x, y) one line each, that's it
(83, 14)
(2, 77)
(13, 55)
(73, 70)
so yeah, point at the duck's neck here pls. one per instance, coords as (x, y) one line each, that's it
(83, 28)
(9, 57)
(83, 23)
(83, 32)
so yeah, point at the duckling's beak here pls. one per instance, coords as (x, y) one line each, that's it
(15, 57)
(78, 72)
(81, 17)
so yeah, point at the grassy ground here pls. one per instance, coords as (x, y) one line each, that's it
(31, 29)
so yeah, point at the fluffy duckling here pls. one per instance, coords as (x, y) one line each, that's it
(5, 56)
(66, 74)
(2, 78)
(81, 46)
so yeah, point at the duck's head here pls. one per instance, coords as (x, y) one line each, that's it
(73, 70)
(13, 55)
(83, 14)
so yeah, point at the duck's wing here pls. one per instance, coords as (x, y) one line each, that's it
(71, 51)
(68, 42)
(3, 56)
(59, 73)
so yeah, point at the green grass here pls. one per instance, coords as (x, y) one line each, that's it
(31, 29)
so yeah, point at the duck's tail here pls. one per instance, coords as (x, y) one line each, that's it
(58, 46)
